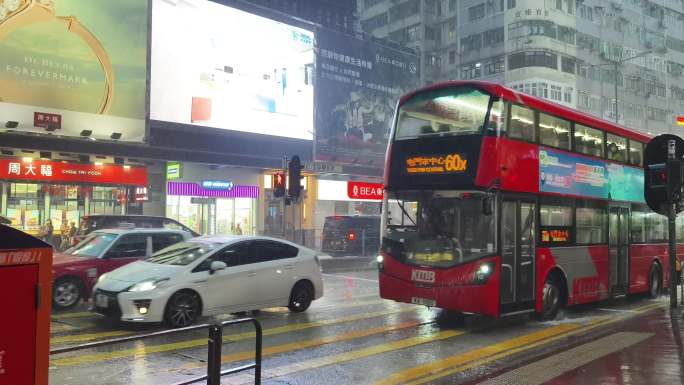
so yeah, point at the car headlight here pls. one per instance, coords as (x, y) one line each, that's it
(147, 285)
(102, 278)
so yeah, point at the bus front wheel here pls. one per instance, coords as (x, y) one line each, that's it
(654, 281)
(551, 299)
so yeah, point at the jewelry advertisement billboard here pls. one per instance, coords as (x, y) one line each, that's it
(81, 63)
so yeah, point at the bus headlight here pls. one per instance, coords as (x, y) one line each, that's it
(380, 259)
(484, 272)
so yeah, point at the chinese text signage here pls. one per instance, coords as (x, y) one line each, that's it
(363, 190)
(46, 171)
(358, 84)
(45, 120)
(436, 164)
(564, 173)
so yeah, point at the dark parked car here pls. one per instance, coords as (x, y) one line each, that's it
(351, 235)
(91, 223)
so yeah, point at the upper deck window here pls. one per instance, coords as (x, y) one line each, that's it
(588, 140)
(636, 153)
(521, 123)
(450, 111)
(554, 131)
(617, 148)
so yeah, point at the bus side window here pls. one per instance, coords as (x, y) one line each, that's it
(521, 123)
(496, 125)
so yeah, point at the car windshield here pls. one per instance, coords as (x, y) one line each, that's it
(450, 111)
(93, 246)
(437, 228)
(183, 253)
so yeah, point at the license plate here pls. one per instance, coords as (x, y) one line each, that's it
(101, 300)
(423, 301)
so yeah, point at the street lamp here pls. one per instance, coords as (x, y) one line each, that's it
(616, 63)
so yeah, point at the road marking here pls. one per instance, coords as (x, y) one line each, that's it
(618, 310)
(549, 368)
(145, 350)
(337, 359)
(312, 343)
(377, 301)
(58, 327)
(350, 277)
(88, 337)
(442, 368)
(81, 314)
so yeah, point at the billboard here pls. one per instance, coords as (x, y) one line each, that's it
(81, 63)
(230, 69)
(564, 173)
(358, 84)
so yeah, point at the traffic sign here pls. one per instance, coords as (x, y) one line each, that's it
(663, 173)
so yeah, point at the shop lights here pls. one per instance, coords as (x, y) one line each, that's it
(126, 166)
(27, 159)
(98, 163)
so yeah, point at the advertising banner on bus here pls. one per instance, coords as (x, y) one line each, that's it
(358, 84)
(564, 173)
(70, 65)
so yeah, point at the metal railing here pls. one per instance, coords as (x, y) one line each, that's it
(215, 346)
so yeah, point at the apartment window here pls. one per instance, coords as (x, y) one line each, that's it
(408, 34)
(531, 28)
(567, 95)
(433, 60)
(521, 123)
(617, 148)
(556, 93)
(636, 153)
(568, 64)
(511, 4)
(375, 22)
(370, 3)
(533, 59)
(497, 65)
(405, 10)
(476, 12)
(559, 5)
(471, 43)
(554, 132)
(451, 30)
(493, 36)
(588, 140)
(431, 33)
(566, 34)
(471, 71)
(660, 90)
(452, 5)
(452, 57)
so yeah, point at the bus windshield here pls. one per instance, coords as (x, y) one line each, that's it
(449, 111)
(437, 228)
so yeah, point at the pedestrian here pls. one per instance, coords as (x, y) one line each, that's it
(64, 236)
(238, 229)
(46, 232)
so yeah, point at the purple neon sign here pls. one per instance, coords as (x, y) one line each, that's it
(196, 190)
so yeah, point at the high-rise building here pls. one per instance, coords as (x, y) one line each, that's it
(340, 15)
(580, 53)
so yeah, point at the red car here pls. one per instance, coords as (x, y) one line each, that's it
(76, 270)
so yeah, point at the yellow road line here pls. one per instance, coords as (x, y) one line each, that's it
(81, 314)
(337, 359)
(438, 369)
(88, 337)
(333, 307)
(145, 350)
(62, 327)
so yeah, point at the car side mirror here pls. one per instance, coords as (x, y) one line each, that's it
(488, 205)
(216, 266)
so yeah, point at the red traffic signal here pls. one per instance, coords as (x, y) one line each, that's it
(279, 185)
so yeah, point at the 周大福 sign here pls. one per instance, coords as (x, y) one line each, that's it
(47, 171)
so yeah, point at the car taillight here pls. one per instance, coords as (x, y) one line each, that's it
(351, 236)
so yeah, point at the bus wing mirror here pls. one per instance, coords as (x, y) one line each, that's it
(488, 205)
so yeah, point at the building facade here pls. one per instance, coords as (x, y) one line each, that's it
(576, 53)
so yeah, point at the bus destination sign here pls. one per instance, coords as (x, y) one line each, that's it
(436, 164)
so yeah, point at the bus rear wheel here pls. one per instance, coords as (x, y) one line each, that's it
(551, 299)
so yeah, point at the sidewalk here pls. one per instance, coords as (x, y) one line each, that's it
(646, 350)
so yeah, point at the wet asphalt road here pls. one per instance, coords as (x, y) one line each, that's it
(351, 336)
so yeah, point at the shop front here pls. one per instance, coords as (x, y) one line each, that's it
(35, 191)
(345, 198)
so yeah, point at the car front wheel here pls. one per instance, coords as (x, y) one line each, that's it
(66, 293)
(183, 309)
(300, 297)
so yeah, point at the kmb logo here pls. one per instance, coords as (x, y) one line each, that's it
(423, 276)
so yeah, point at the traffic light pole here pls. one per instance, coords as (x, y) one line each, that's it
(671, 221)
(285, 160)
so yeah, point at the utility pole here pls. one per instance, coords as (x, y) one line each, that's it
(674, 180)
(284, 201)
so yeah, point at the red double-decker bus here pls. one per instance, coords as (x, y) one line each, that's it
(498, 203)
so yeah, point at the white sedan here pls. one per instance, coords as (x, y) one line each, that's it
(211, 275)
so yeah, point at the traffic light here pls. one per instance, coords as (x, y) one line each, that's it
(674, 180)
(664, 174)
(295, 173)
(279, 185)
